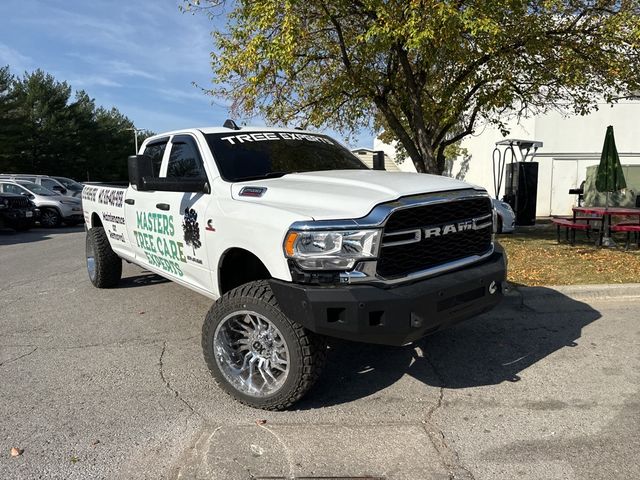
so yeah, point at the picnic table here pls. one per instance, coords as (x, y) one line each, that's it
(583, 217)
(600, 214)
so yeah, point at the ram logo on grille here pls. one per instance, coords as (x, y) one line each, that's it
(416, 235)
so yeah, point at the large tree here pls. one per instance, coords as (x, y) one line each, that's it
(426, 71)
(46, 130)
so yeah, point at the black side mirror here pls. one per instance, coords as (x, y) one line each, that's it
(59, 189)
(139, 166)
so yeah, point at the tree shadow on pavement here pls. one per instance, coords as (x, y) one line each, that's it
(493, 348)
(36, 234)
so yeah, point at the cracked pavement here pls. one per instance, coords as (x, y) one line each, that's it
(112, 384)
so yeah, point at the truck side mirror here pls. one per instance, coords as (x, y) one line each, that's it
(139, 166)
(59, 189)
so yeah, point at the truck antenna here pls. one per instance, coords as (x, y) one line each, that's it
(228, 123)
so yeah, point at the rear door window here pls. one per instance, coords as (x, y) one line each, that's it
(185, 160)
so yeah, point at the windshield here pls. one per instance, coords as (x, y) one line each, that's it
(254, 155)
(37, 189)
(70, 184)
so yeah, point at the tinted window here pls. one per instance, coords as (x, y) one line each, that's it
(271, 154)
(38, 189)
(47, 183)
(70, 184)
(156, 151)
(185, 160)
(9, 188)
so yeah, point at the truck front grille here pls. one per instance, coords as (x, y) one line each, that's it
(18, 203)
(416, 250)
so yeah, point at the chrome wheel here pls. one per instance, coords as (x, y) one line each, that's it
(251, 353)
(91, 261)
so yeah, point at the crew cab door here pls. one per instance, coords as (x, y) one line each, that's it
(169, 225)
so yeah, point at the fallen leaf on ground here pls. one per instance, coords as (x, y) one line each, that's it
(260, 422)
(16, 452)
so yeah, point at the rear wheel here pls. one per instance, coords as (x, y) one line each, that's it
(50, 218)
(103, 265)
(255, 353)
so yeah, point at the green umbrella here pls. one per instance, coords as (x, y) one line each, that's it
(609, 177)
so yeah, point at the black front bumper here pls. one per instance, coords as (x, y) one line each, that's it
(397, 315)
(15, 217)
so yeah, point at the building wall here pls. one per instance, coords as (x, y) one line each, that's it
(366, 157)
(390, 153)
(571, 144)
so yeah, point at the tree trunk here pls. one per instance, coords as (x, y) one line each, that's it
(418, 147)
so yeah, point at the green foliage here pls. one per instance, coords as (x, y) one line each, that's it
(44, 130)
(424, 71)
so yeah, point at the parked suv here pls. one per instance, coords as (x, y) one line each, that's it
(45, 181)
(54, 208)
(75, 188)
(17, 212)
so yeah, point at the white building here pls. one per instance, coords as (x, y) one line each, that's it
(570, 145)
(366, 156)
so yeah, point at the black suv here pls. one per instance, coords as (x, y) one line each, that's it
(17, 212)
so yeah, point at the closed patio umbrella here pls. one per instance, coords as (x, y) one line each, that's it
(609, 177)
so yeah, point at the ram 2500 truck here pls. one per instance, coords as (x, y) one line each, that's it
(296, 240)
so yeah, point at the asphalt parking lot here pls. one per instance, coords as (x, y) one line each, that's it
(112, 384)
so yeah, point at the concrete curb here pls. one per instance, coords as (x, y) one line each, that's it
(578, 292)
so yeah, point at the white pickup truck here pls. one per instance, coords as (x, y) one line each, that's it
(295, 240)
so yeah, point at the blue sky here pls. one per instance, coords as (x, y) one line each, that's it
(141, 56)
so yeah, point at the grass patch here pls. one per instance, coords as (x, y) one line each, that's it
(535, 258)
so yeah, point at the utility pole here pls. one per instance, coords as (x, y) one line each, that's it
(135, 137)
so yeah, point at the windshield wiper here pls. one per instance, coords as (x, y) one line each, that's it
(263, 176)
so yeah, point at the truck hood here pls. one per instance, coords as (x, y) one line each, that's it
(341, 194)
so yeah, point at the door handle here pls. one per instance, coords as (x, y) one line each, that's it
(130, 201)
(162, 206)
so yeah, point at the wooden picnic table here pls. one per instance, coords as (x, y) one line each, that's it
(611, 211)
(601, 214)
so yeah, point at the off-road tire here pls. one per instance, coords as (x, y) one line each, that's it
(50, 218)
(307, 350)
(108, 266)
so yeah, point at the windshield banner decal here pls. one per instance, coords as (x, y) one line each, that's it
(274, 136)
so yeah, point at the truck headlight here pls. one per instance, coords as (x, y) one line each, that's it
(331, 250)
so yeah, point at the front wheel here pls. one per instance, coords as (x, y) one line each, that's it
(50, 218)
(255, 353)
(103, 265)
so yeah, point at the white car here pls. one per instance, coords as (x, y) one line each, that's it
(295, 239)
(50, 183)
(54, 208)
(506, 218)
